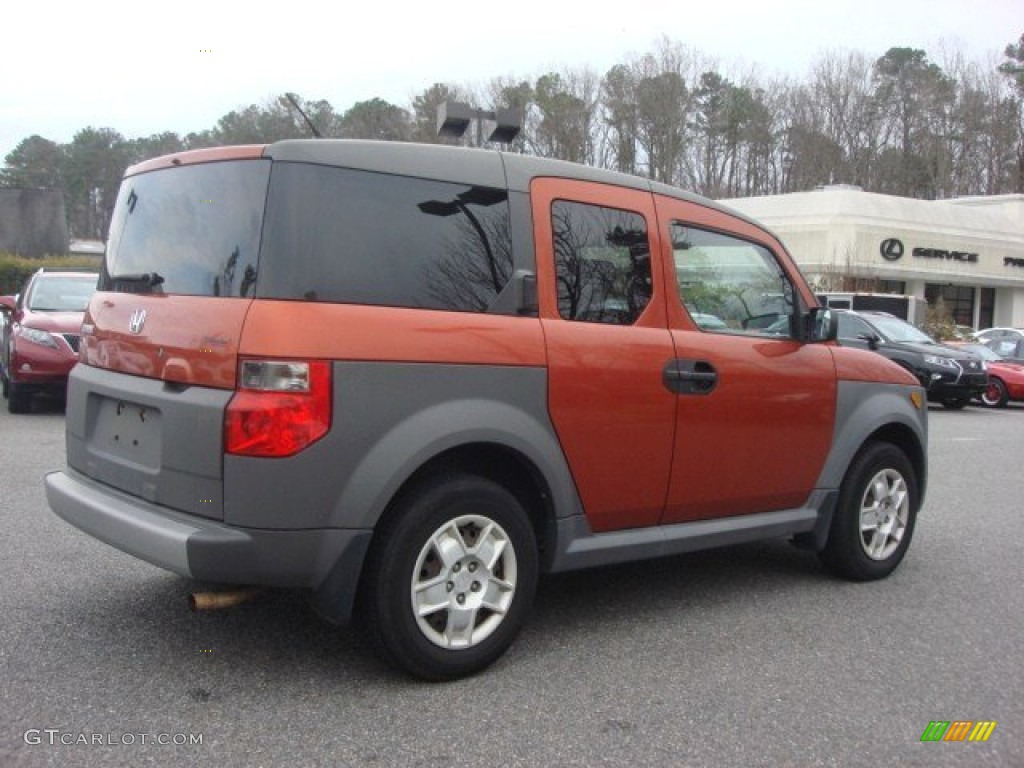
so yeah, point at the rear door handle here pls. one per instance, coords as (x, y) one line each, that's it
(689, 377)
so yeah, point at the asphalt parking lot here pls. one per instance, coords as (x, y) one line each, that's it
(746, 656)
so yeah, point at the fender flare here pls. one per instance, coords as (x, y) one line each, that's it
(428, 433)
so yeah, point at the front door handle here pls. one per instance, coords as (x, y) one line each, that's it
(689, 377)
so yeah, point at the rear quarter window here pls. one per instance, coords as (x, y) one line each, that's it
(359, 237)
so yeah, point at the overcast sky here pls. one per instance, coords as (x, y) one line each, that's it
(143, 67)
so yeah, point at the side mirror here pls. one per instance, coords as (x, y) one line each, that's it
(821, 324)
(8, 303)
(874, 341)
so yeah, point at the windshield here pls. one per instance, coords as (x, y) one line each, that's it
(895, 329)
(61, 293)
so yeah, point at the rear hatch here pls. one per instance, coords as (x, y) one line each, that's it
(159, 348)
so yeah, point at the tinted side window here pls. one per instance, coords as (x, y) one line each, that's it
(339, 235)
(730, 285)
(602, 263)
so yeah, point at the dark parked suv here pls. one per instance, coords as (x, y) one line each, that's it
(412, 379)
(951, 376)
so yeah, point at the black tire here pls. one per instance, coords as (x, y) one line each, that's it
(453, 512)
(879, 470)
(995, 395)
(955, 403)
(19, 399)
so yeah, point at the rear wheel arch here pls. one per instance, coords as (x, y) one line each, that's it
(502, 433)
(500, 464)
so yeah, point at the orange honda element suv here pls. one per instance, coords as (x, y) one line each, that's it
(413, 379)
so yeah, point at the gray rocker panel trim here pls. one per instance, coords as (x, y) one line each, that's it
(579, 547)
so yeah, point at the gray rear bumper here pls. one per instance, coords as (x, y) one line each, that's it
(208, 550)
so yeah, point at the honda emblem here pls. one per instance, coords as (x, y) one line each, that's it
(138, 320)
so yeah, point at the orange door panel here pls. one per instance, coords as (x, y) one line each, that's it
(614, 416)
(755, 440)
(758, 441)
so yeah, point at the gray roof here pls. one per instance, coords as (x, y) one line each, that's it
(477, 167)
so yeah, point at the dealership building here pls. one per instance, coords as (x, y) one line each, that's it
(969, 251)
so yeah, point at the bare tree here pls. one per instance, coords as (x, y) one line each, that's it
(664, 99)
(1013, 68)
(620, 117)
(915, 96)
(376, 119)
(564, 125)
(812, 157)
(903, 124)
(849, 114)
(35, 163)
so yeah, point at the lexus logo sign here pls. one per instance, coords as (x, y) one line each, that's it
(892, 249)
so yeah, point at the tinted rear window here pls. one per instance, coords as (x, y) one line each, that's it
(341, 235)
(192, 230)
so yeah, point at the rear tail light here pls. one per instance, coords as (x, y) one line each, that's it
(280, 408)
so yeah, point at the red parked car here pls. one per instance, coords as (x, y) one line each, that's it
(1005, 377)
(41, 333)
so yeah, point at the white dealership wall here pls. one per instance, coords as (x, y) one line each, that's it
(840, 230)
